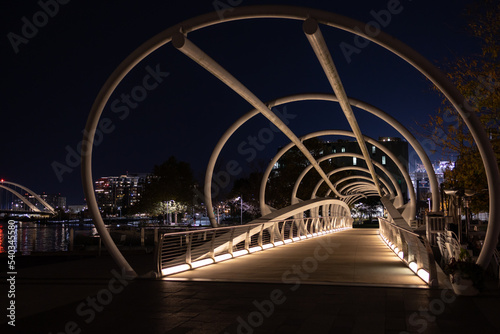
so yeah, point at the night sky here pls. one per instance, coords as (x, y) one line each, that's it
(50, 83)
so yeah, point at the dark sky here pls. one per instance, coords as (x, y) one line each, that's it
(49, 85)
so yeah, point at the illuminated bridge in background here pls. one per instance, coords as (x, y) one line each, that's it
(16, 199)
(325, 214)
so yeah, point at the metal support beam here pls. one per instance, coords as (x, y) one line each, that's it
(320, 48)
(180, 42)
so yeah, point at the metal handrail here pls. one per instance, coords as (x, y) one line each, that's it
(413, 249)
(180, 251)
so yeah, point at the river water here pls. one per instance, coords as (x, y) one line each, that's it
(55, 237)
(32, 237)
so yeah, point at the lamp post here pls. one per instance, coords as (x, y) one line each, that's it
(168, 218)
(241, 210)
(240, 198)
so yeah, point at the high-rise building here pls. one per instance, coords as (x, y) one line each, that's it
(395, 145)
(116, 193)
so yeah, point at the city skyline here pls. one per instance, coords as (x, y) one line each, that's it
(52, 80)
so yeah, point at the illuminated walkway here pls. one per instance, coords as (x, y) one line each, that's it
(351, 257)
(52, 296)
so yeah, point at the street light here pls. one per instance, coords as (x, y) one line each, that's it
(241, 208)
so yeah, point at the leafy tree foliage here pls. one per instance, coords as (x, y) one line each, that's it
(477, 78)
(172, 180)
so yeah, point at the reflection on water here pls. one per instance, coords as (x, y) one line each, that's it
(31, 237)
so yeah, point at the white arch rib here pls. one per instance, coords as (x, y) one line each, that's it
(32, 193)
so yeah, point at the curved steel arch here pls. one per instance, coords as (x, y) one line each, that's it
(405, 133)
(355, 186)
(399, 198)
(21, 197)
(294, 13)
(353, 177)
(32, 193)
(414, 143)
(316, 188)
(361, 169)
(402, 169)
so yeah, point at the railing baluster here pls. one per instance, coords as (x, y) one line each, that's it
(189, 241)
(179, 251)
(260, 235)
(230, 246)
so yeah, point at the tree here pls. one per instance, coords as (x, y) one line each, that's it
(171, 181)
(477, 78)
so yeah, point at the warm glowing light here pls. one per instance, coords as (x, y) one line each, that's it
(396, 250)
(176, 269)
(240, 253)
(401, 255)
(296, 239)
(423, 274)
(278, 243)
(201, 263)
(287, 241)
(413, 266)
(222, 257)
(266, 246)
(254, 249)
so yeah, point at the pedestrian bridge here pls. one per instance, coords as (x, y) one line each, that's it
(345, 257)
(323, 216)
(315, 250)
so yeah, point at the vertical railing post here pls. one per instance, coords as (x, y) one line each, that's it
(260, 235)
(247, 240)
(230, 245)
(433, 278)
(283, 231)
(158, 254)
(272, 232)
(212, 247)
(189, 241)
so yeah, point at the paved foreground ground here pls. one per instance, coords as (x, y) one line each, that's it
(85, 295)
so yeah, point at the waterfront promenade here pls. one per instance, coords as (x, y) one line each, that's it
(84, 294)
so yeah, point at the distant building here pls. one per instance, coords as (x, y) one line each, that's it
(116, 193)
(395, 145)
(420, 179)
(55, 200)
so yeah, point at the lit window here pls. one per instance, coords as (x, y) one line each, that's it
(354, 161)
(374, 149)
(342, 149)
(383, 160)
